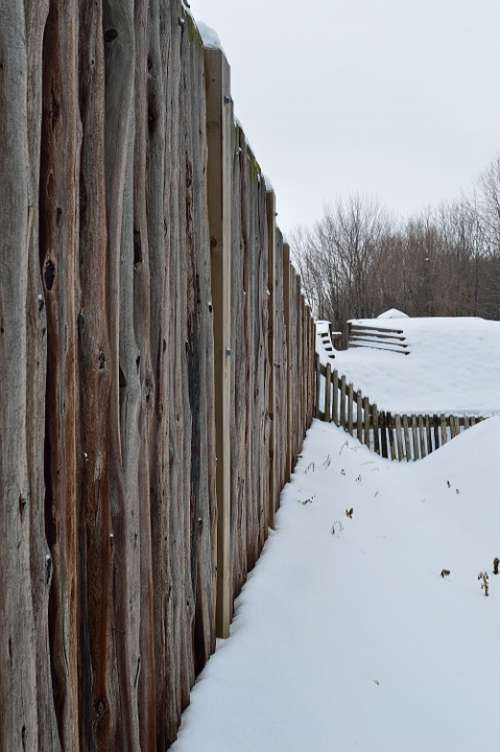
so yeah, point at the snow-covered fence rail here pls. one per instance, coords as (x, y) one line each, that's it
(394, 436)
(156, 369)
(376, 338)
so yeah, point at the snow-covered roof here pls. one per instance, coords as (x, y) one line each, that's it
(393, 313)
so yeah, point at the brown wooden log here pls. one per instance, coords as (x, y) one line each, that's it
(18, 476)
(350, 409)
(47, 733)
(399, 438)
(335, 397)
(407, 443)
(366, 421)
(328, 393)
(220, 165)
(415, 437)
(342, 407)
(376, 435)
(359, 415)
(59, 259)
(289, 346)
(272, 346)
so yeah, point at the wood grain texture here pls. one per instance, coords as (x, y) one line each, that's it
(108, 464)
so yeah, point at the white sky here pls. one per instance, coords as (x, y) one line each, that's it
(396, 99)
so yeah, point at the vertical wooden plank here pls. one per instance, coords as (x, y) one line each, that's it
(444, 429)
(350, 409)
(399, 438)
(35, 519)
(466, 422)
(59, 260)
(359, 415)
(18, 689)
(219, 128)
(271, 323)
(428, 433)
(342, 417)
(422, 436)
(328, 393)
(416, 444)
(407, 442)
(392, 442)
(383, 434)
(376, 436)
(286, 307)
(335, 401)
(317, 398)
(435, 425)
(366, 421)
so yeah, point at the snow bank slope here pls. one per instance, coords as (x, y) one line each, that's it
(346, 637)
(453, 367)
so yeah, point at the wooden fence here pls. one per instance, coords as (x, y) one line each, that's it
(395, 437)
(376, 338)
(156, 369)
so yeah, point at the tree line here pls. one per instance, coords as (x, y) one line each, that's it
(358, 260)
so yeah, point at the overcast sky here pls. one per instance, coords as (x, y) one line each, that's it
(396, 99)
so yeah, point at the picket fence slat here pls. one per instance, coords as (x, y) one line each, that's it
(350, 409)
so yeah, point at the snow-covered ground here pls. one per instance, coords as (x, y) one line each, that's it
(346, 637)
(453, 367)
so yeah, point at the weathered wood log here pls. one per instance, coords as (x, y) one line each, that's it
(328, 393)
(359, 415)
(335, 397)
(376, 435)
(24, 674)
(107, 420)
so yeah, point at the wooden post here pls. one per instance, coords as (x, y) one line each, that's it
(271, 334)
(376, 440)
(406, 434)
(350, 408)
(414, 431)
(347, 335)
(318, 387)
(444, 429)
(342, 401)
(466, 422)
(289, 345)
(336, 397)
(392, 442)
(219, 176)
(328, 393)
(428, 434)
(450, 423)
(383, 434)
(366, 422)
(399, 438)
(435, 424)
(359, 415)
(421, 434)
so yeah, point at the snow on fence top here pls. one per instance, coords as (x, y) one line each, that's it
(453, 367)
(209, 36)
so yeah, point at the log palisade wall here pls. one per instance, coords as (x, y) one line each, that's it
(156, 369)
